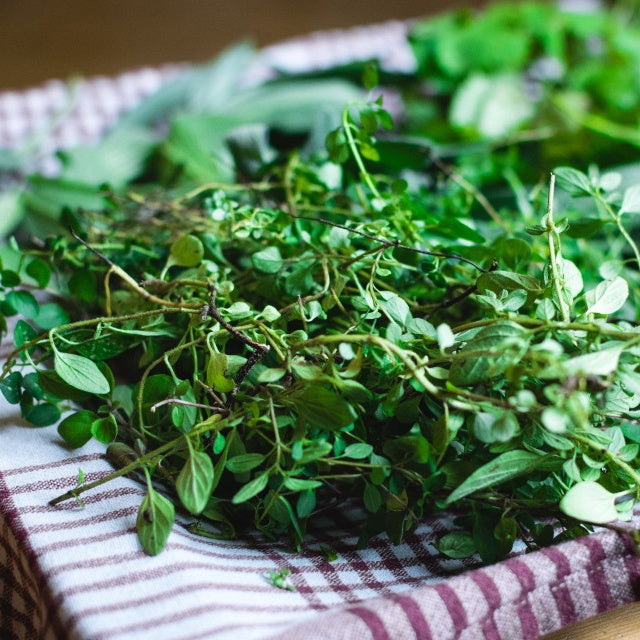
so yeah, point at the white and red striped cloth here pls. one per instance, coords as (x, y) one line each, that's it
(71, 573)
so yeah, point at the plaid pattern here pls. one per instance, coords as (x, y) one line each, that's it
(71, 573)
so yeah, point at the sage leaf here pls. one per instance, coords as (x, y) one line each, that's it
(504, 467)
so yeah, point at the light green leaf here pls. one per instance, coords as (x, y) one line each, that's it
(187, 251)
(599, 363)
(631, 200)
(457, 544)
(195, 481)
(268, 260)
(590, 502)
(154, 522)
(608, 296)
(572, 181)
(80, 372)
(494, 106)
(301, 484)
(251, 489)
(244, 462)
(216, 370)
(104, 430)
(358, 450)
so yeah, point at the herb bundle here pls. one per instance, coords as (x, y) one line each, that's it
(330, 314)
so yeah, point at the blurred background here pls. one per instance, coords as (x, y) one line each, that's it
(43, 39)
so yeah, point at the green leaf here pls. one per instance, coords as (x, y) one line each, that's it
(40, 271)
(590, 502)
(490, 352)
(195, 482)
(187, 251)
(82, 285)
(631, 200)
(306, 503)
(154, 522)
(251, 489)
(457, 544)
(499, 281)
(42, 415)
(10, 387)
(573, 181)
(23, 333)
(22, 303)
(51, 316)
(268, 260)
(396, 308)
(494, 106)
(372, 498)
(216, 370)
(358, 450)
(244, 462)
(80, 372)
(322, 408)
(104, 430)
(504, 467)
(370, 76)
(599, 363)
(301, 484)
(608, 296)
(75, 429)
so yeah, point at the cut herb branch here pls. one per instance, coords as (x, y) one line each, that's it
(256, 342)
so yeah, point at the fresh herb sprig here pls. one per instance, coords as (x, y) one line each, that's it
(337, 326)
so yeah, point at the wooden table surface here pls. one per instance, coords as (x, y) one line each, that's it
(42, 39)
(622, 623)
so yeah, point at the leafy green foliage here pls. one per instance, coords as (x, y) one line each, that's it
(326, 310)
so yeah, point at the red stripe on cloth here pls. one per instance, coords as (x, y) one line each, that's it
(632, 565)
(71, 505)
(55, 483)
(53, 465)
(186, 588)
(373, 622)
(527, 580)
(521, 570)
(83, 522)
(454, 606)
(597, 576)
(414, 614)
(528, 620)
(172, 618)
(559, 589)
(208, 633)
(493, 598)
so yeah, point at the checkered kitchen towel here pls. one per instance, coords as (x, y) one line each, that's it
(71, 573)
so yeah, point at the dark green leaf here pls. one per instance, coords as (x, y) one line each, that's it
(76, 428)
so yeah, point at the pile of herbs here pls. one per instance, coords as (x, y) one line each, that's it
(283, 304)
